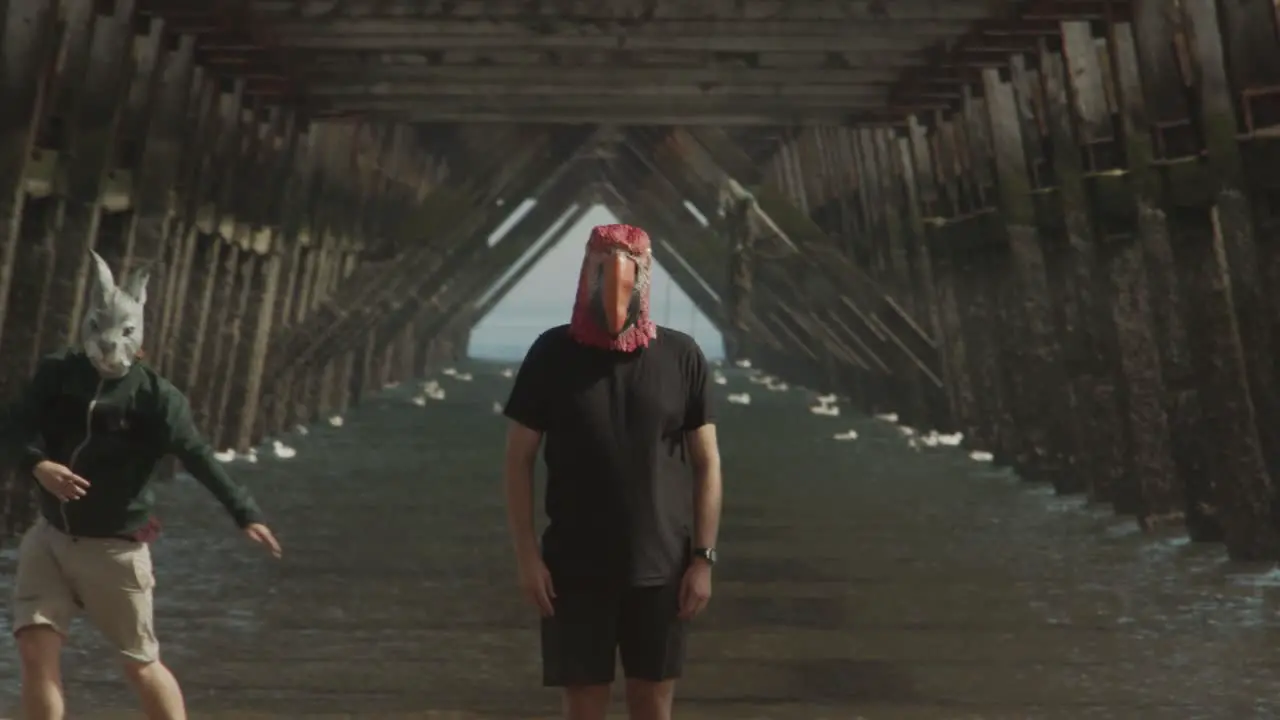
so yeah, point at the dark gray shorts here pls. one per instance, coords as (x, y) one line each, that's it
(592, 627)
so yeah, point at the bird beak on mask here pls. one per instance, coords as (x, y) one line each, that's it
(616, 304)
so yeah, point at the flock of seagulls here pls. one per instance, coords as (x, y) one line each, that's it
(433, 390)
(768, 382)
(459, 376)
(429, 390)
(827, 405)
(279, 450)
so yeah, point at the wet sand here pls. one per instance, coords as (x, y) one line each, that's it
(857, 580)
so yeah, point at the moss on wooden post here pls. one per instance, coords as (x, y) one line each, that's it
(28, 38)
(980, 249)
(1090, 351)
(92, 132)
(1040, 410)
(739, 237)
(1219, 417)
(226, 281)
(1236, 253)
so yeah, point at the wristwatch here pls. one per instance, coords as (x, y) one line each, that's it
(707, 554)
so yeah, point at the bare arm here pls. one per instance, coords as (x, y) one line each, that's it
(707, 489)
(521, 456)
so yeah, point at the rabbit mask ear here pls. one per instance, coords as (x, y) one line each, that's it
(135, 284)
(104, 284)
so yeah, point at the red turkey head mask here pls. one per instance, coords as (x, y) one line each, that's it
(611, 310)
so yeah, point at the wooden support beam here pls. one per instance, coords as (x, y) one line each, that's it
(158, 139)
(990, 42)
(199, 123)
(41, 205)
(93, 131)
(119, 195)
(559, 93)
(346, 72)
(655, 195)
(310, 338)
(1169, 293)
(703, 250)
(404, 283)
(813, 299)
(276, 162)
(300, 186)
(738, 228)
(973, 243)
(911, 153)
(453, 292)
(868, 303)
(1233, 217)
(157, 166)
(500, 289)
(1089, 342)
(693, 176)
(1206, 252)
(850, 105)
(29, 38)
(453, 302)
(938, 181)
(746, 10)
(654, 116)
(229, 279)
(649, 198)
(191, 354)
(682, 272)
(888, 36)
(1039, 406)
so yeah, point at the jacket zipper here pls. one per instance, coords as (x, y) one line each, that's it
(88, 435)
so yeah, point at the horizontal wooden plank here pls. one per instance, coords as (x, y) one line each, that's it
(541, 93)
(713, 35)
(656, 9)
(351, 71)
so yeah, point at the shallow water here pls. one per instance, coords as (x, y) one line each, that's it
(858, 579)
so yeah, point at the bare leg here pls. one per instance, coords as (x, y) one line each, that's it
(647, 700)
(40, 648)
(157, 688)
(586, 702)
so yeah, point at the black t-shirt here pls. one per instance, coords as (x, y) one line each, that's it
(619, 475)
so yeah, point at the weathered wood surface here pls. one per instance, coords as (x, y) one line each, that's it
(1050, 230)
(1098, 248)
(118, 138)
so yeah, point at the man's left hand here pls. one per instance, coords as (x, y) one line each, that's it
(695, 589)
(261, 534)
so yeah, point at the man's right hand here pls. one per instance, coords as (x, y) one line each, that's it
(60, 481)
(535, 583)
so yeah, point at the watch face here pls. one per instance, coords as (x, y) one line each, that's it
(708, 554)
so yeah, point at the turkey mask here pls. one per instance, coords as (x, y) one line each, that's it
(611, 310)
(111, 332)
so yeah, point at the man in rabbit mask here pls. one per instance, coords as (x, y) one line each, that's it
(633, 486)
(90, 428)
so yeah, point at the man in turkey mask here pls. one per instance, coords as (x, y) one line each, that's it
(633, 486)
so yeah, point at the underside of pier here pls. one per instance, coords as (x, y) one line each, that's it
(1047, 224)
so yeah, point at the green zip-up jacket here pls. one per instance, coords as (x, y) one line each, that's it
(112, 433)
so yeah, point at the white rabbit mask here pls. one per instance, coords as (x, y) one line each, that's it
(111, 332)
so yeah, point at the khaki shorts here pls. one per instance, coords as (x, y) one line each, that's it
(110, 579)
